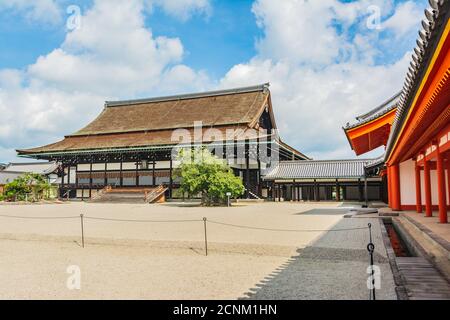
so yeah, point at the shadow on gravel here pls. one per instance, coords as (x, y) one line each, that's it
(328, 269)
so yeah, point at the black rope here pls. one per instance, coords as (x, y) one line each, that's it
(287, 230)
(39, 218)
(132, 220)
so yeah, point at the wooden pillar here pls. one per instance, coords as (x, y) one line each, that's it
(68, 175)
(442, 198)
(106, 177)
(90, 179)
(153, 172)
(316, 191)
(396, 201)
(247, 169)
(360, 192)
(170, 178)
(137, 171)
(61, 189)
(338, 191)
(121, 173)
(258, 159)
(298, 192)
(427, 186)
(418, 189)
(366, 191)
(272, 184)
(76, 176)
(279, 193)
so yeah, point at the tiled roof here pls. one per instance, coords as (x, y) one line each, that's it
(317, 169)
(433, 25)
(36, 167)
(375, 113)
(215, 108)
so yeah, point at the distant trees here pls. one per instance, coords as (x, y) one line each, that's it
(205, 174)
(30, 186)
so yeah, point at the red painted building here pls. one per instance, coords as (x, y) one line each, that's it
(415, 125)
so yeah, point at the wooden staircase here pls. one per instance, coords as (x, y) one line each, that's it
(130, 195)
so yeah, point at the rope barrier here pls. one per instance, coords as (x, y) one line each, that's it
(189, 220)
(286, 230)
(39, 218)
(133, 220)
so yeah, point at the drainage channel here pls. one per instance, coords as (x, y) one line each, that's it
(397, 242)
(419, 277)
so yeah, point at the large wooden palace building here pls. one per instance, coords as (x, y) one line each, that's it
(415, 125)
(134, 143)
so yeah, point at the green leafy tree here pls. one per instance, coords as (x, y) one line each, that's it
(205, 174)
(30, 186)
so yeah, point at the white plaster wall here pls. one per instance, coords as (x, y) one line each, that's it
(98, 167)
(129, 165)
(83, 167)
(407, 183)
(162, 165)
(113, 166)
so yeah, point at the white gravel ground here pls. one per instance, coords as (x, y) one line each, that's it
(129, 260)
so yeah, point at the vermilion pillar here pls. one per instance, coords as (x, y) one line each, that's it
(427, 186)
(442, 201)
(448, 175)
(389, 185)
(418, 190)
(396, 202)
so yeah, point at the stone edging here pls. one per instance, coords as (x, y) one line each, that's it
(441, 241)
(400, 289)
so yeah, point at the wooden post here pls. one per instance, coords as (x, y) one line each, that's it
(121, 173)
(170, 178)
(360, 193)
(247, 169)
(418, 189)
(338, 191)
(61, 191)
(206, 237)
(427, 186)
(137, 171)
(442, 199)
(105, 182)
(153, 171)
(90, 179)
(259, 168)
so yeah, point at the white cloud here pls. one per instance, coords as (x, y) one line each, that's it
(46, 11)
(111, 56)
(321, 78)
(404, 19)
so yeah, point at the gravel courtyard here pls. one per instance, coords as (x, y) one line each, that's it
(166, 260)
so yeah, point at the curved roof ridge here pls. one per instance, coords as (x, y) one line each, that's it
(204, 94)
(380, 107)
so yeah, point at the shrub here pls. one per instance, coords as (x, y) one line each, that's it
(203, 173)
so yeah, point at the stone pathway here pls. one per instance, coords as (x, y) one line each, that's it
(332, 267)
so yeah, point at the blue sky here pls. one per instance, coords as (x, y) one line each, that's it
(327, 61)
(214, 43)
